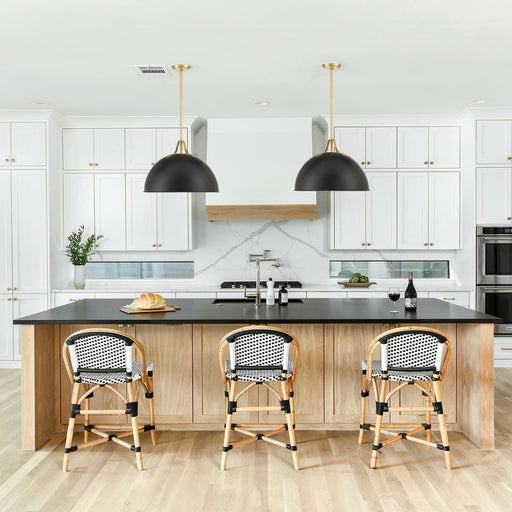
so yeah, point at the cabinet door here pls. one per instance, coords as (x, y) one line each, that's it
(109, 148)
(140, 215)
(444, 210)
(5, 144)
(6, 330)
(166, 140)
(413, 147)
(444, 147)
(493, 142)
(28, 144)
(77, 148)
(140, 148)
(381, 211)
(174, 222)
(493, 201)
(24, 305)
(412, 210)
(29, 231)
(349, 229)
(5, 231)
(381, 147)
(78, 203)
(351, 141)
(109, 211)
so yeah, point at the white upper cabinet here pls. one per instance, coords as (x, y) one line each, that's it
(412, 210)
(174, 222)
(140, 148)
(366, 220)
(444, 147)
(166, 140)
(141, 224)
(28, 144)
(93, 148)
(5, 232)
(349, 220)
(413, 147)
(5, 144)
(494, 142)
(381, 147)
(110, 215)
(494, 191)
(77, 148)
(352, 142)
(444, 210)
(29, 231)
(78, 197)
(381, 211)
(428, 210)
(109, 148)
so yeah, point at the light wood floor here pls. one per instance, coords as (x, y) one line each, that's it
(182, 471)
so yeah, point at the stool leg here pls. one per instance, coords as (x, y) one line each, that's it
(292, 401)
(285, 387)
(428, 404)
(151, 409)
(227, 429)
(135, 429)
(364, 388)
(442, 426)
(86, 416)
(71, 427)
(378, 425)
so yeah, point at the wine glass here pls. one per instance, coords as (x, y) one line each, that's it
(394, 295)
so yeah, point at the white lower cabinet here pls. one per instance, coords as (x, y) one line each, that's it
(25, 305)
(493, 199)
(63, 298)
(502, 352)
(457, 298)
(6, 331)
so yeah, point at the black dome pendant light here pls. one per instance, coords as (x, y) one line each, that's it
(181, 171)
(331, 170)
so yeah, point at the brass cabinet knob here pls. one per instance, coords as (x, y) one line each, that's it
(154, 245)
(96, 164)
(15, 298)
(431, 243)
(152, 163)
(159, 245)
(15, 288)
(90, 164)
(509, 158)
(97, 245)
(9, 299)
(363, 244)
(509, 218)
(368, 244)
(9, 289)
(426, 163)
(368, 163)
(362, 163)
(6, 159)
(431, 163)
(425, 244)
(13, 159)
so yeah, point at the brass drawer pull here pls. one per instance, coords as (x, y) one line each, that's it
(506, 348)
(448, 298)
(74, 300)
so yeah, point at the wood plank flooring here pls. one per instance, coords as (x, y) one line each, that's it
(182, 471)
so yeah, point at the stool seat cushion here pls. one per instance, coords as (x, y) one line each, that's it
(115, 377)
(260, 375)
(398, 375)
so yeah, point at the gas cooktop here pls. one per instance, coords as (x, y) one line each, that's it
(263, 284)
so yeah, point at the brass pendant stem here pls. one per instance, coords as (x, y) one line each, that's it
(331, 143)
(332, 124)
(181, 104)
(181, 146)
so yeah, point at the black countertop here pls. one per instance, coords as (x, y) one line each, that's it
(203, 311)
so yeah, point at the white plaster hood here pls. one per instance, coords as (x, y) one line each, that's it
(256, 162)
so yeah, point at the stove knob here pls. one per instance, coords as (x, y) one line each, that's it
(233, 285)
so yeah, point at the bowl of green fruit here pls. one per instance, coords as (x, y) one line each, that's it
(357, 280)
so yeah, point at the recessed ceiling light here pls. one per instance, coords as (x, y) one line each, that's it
(262, 103)
(478, 101)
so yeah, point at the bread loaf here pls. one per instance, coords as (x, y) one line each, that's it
(149, 301)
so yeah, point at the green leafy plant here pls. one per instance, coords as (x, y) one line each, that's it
(78, 250)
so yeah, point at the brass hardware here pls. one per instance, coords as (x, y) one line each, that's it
(363, 243)
(6, 159)
(509, 158)
(331, 66)
(362, 163)
(368, 163)
(15, 288)
(152, 163)
(448, 298)
(181, 146)
(97, 245)
(425, 244)
(9, 299)
(426, 163)
(368, 245)
(159, 245)
(13, 160)
(431, 163)
(9, 289)
(509, 218)
(96, 164)
(120, 325)
(154, 245)
(506, 348)
(74, 300)
(15, 298)
(431, 243)
(90, 164)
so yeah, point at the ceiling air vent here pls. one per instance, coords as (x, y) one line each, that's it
(152, 71)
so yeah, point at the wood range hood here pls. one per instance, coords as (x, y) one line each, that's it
(256, 162)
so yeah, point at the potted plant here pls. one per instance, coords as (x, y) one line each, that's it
(79, 252)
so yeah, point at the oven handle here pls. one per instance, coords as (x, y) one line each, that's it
(503, 289)
(496, 238)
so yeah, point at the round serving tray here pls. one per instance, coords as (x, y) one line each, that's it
(346, 284)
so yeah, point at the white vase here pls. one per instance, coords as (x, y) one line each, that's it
(79, 276)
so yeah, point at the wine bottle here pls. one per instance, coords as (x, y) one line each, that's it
(410, 295)
(283, 296)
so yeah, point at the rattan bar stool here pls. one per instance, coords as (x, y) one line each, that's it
(416, 356)
(101, 359)
(259, 355)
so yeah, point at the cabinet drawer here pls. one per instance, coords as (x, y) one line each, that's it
(458, 298)
(502, 349)
(61, 299)
(327, 295)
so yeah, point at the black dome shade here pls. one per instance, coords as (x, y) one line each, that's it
(181, 172)
(331, 171)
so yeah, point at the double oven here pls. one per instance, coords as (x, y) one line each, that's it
(494, 274)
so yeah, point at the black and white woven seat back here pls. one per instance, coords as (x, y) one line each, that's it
(421, 350)
(100, 351)
(259, 348)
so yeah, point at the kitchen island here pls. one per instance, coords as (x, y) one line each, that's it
(334, 336)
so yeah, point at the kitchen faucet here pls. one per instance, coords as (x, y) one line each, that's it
(258, 258)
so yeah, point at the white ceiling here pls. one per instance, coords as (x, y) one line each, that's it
(398, 56)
